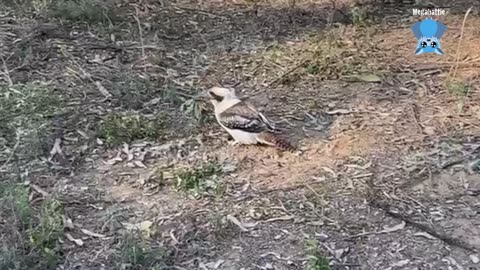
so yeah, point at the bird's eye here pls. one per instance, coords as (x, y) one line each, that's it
(433, 44)
(424, 44)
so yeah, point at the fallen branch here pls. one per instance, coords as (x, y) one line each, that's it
(99, 86)
(423, 227)
(140, 34)
(288, 72)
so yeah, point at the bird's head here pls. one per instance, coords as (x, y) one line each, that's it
(218, 94)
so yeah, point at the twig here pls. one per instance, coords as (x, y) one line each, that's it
(341, 12)
(6, 73)
(288, 72)
(99, 86)
(459, 160)
(235, 221)
(457, 55)
(135, 16)
(200, 11)
(40, 190)
(415, 113)
(426, 228)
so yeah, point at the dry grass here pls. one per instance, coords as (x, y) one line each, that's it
(354, 105)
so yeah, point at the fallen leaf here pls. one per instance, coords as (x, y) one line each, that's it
(401, 263)
(113, 161)
(153, 102)
(424, 234)
(474, 258)
(339, 111)
(39, 190)
(68, 223)
(366, 78)
(174, 238)
(102, 90)
(227, 168)
(56, 148)
(84, 135)
(284, 218)
(78, 242)
(429, 130)
(144, 226)
(214, 265)
(394, 228)
(235, 221)
(90, 233)
(140, 164)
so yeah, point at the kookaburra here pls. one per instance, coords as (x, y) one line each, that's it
(242, 120)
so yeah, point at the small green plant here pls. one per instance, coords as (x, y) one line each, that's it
(361, 16)
(312, 69)
(134, 252)
(316, 260)
(26, 112)
(201, 179)
(33, 238)
(459, 89)
(91, 11)
(117, 128)
(195, 109)
(45, 235)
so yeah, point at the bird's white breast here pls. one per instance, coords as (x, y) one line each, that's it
(240, 136)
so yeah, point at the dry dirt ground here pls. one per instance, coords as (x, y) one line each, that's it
(387, 172)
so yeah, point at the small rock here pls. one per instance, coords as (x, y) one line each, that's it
(474, 258)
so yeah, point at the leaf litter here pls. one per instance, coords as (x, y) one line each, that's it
(321, 192)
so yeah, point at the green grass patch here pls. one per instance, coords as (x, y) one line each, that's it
(135, 252)
(200, 180)
(117, 128)
(316, 260)
(32, 238)
(459, 89)
(362, 16)
(26, 114)
(89, 11)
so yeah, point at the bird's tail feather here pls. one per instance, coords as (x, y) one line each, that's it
(276, 140)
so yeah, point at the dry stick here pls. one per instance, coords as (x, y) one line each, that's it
(288, 72)
(457, 55)
(442, 236)
(6, 73)
(99, 86)
(141, 39)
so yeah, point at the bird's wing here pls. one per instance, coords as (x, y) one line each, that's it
(243, 116)
(440, 30)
